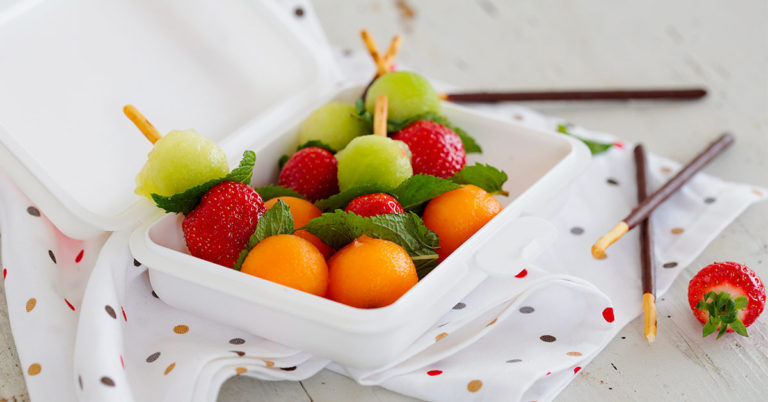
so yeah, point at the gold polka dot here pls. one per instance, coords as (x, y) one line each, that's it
(574, 353)
(492, 322)
(181, 329)
(169, 368)
(757, 192)
(269, 363)
(240, 370)
(677, 230)
(34, 369)
(666, 169)
(31, 304)
(441, 336)
(474, 385)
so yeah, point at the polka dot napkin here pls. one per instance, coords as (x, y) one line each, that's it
(88, 325)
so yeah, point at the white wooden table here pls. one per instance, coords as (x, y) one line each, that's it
(570, 44)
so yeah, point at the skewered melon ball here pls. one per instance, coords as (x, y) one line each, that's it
(409, 95)
(334, 124)
(180, 160)
(373, 159)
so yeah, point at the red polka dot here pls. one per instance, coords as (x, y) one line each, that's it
(79, 256)
(549, 372)
(122, 362)
(521, 274)
(434, 372)
(124, 316)
(608, 314)
(576, 370)
(70, 305)
(618, 144)
(5, 272)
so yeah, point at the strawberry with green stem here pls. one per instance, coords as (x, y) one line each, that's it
(726, 297)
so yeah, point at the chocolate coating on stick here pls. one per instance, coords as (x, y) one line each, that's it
(644, 209)
(646, 237)
(578, 95)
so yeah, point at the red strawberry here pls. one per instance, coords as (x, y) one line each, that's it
(374, 204)
(435, 148)
(218, 229)
(733, 292)
(311, 172)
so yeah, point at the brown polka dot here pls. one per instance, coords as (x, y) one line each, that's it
(574, 353)
(492, 322)
(34, 369)
(666, 169)
(181, 329)
(547, 338)
(110, 311)
(677, 230)
(155, 295)
(292, 368)
(240, 370)
(31, 303)
(440, 336)
(299, 12)
(269, 363)
(518, 117)
(238, 352)
(577, 230)
(527, 309)
(33, 211)
(710, 200)
(670, 265)
(474, 385)
(237, 341)
(169, 368)
(136, 263)
(80, 381)
(612, 181)
(459, 306)
(107, 381)
(151, 358)
(758, 192)
(53, 257)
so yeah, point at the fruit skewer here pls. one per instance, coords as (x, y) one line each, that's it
(646, 251)
(644, 209)
(142, 123)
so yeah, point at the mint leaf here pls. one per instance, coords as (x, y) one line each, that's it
(595, 147)
(315, 143)
(484, 176)
(739, 327)
(277, 220)
(340, 200)
(337, 229)
(186, 201)
(272, 191)
(421, 188)
(723, 328)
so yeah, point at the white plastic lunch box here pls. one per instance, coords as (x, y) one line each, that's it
(256, 93)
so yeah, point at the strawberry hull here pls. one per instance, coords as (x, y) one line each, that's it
(540, 165)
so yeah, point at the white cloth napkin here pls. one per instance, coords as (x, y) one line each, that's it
(88, 326)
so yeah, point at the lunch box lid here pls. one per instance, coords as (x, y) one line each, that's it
(233, 70)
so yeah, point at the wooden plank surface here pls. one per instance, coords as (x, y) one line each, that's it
(493, 44)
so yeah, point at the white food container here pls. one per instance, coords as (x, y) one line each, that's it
(242, 76)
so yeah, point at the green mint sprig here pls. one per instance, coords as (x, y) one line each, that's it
(484, 176)
(339, 228)
(595, 147)
(186, 201)
(277, 220)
